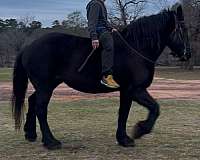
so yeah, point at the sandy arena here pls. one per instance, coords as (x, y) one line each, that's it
(160, 89)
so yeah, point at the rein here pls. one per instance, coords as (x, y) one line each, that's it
(134, 50)
(86, 60)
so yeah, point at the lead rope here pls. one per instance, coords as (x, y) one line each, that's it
(134, 50)
(86, 60)
(138, 53)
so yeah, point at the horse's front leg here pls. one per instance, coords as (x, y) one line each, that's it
(142, 97)
(125, 103)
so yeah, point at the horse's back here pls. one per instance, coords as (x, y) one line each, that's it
(55, 43)
(49, 55)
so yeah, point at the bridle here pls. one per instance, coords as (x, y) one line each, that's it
(183, 33)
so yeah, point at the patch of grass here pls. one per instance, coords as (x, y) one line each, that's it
(177, 73)
(87, 130)
(5, 74)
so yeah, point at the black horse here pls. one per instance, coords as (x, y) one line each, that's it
(56, 58)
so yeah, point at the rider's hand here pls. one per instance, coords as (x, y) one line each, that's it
(95, 44)
(114, 30)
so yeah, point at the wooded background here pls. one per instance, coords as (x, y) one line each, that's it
(15, 34)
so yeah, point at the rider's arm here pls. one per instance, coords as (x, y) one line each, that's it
(93, 15)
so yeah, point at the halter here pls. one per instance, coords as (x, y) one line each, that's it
(181, 27)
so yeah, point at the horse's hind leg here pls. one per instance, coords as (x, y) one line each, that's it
(142, 97)
(42, 100)
(30, 125)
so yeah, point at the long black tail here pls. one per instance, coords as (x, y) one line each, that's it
(20, 83)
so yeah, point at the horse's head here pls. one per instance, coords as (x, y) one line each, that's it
(178, 41)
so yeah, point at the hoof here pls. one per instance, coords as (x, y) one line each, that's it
(53, 145)
(31, 138)
(139, 131)
(126, 142)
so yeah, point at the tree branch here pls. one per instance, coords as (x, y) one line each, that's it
(133, 2)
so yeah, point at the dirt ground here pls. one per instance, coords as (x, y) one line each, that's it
(160, 89)
(86, 127)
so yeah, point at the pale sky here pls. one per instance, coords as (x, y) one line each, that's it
(45, 11)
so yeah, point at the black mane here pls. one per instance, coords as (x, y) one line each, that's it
(148, 29)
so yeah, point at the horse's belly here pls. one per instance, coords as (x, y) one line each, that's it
(87, 85)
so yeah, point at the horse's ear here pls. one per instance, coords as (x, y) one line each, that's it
(180, 14)
(178, 9)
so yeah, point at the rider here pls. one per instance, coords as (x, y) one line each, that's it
(100, 30)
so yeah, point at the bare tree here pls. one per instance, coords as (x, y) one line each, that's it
(159, 4)
(56, 24)
(11, 42)
(25, 21)
(126, 10)
(74, 20)
(192, 18)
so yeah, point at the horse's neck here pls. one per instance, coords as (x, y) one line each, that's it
(163, 32)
